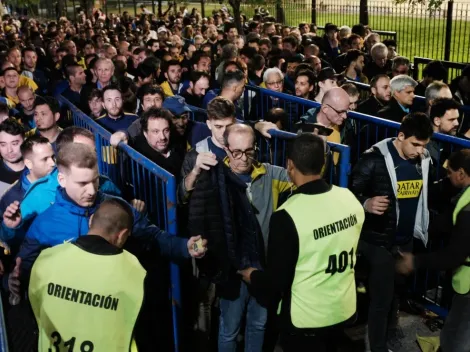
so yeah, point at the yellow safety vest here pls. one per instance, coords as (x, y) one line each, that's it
(86, 302)
(461, 277)
(323, 292)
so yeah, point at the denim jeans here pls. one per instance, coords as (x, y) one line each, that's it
(455, 336)
(231, 316)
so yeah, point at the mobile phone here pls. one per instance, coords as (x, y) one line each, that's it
(309, 127)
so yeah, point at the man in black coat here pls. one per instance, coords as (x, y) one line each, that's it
(402, 87)
(155, 140)
(391, 180)
(379, 98)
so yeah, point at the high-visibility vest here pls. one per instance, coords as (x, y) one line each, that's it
(86, 302)
(323, 291)
(461, 277)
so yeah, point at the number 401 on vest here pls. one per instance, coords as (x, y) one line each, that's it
(339, 263)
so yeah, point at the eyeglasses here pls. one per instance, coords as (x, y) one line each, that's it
(345, 112)
(275, 83)
(237, 154)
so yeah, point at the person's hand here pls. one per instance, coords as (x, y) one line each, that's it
(405, 265)
(197, 247)
(139, 205)
(14, 278)
(246, 274)
(12, 215)
(264, 126)
(6, 248)
(118, 137)
(377, 205)
(204, 161)
(2, 269)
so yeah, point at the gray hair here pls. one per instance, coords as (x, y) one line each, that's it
(270, 71)
(398, 61)
(400, 82)
(433, 90)
(377, 49)
(229, 51)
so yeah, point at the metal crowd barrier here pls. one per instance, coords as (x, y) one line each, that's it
(3, 329)
(145, 181)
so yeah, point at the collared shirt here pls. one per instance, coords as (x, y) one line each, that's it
(407, 110)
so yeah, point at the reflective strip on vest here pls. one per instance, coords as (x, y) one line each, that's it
(461, 277)
(323, 292)
(85, 302)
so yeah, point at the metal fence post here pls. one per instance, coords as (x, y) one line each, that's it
(135, 8)
(363, 13)
(203, 8)
(450, 15)
(314, 11)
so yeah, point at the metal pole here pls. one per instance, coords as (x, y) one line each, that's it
(74, 10)
(135, 8)
(203, 8)
(119, 6)
(314, 11)
(153, 8)
(363, 13)
(447, 45)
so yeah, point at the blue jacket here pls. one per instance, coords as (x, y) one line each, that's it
(16, 191)
(40, 196)
(65, 221)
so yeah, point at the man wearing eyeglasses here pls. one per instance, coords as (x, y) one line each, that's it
(232, 203)
(333, 114)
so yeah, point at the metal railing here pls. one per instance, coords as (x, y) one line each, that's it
(3, 329)
(146, 181)
(454, 69)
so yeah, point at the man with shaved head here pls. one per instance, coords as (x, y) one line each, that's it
(333, 114)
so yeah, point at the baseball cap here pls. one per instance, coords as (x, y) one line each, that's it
(162, 29)
(328, 73)
(176, 104)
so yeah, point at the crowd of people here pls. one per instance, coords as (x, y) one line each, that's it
(267, 253)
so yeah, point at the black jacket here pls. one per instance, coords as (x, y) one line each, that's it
(371, 106)
(219, 209)
(392, 111)
(171, 164)
(370, 178)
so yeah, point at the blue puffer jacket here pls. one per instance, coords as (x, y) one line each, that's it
(65, 221)
(40, 196)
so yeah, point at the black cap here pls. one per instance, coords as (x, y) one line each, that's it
(331, 27)
(328, 73)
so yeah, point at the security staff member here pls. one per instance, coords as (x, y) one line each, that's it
(456, 256)
(89, 293)
(312, 245)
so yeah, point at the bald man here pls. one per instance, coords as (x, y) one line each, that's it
(333, 114)
(94, 280)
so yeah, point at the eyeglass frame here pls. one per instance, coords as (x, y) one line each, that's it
(338, 112)
(244, 152)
